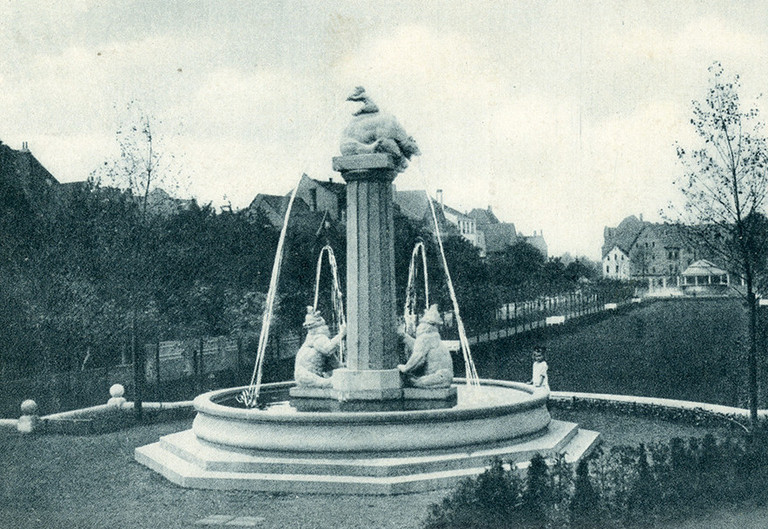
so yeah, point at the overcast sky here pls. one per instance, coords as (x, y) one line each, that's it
(562, 116)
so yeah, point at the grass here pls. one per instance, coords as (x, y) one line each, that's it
(680, 349)
(58, 481)
(683, 349)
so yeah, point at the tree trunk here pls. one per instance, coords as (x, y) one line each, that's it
(138, 368)
(752, 358)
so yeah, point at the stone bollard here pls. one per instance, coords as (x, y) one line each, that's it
(29, 419)
(116, 392)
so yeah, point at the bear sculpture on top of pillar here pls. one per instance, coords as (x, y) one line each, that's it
(372, 131)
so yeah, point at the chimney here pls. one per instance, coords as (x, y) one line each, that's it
(25, 146)
(330, 179)
(440, 199)
(641, 217)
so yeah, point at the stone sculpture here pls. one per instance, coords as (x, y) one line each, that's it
(430, 364)
(315, 360)
(373, 131)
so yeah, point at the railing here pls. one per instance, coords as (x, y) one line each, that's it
(524, 316)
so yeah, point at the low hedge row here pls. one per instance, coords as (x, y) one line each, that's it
(626, 487)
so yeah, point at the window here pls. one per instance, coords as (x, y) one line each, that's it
(617, 269)
(607, 269)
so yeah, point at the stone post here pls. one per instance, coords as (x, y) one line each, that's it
(371, 372)
(29, 420)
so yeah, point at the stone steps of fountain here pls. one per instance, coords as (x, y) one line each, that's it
(186, 461)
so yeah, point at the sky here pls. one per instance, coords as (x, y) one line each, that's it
(562, 116)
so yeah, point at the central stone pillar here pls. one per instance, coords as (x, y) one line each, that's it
(371, 372)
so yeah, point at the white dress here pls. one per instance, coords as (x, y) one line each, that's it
(540, 375)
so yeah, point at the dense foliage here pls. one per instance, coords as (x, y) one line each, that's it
(92, 276)
(625, 487)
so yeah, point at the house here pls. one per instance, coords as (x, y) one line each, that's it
(495, 236)
(466, 225)
(324, 196)
(659, 254)
(24, 182)
(160, 202)
(271, 206)
(655, 253)
(537, 241)
(327, 200)
(617, 243)
(616, 264)
(415, 206)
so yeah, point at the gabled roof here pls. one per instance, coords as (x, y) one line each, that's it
(499, 236)
(669, 235)
(618, 248)
(622, 236)
(456, 212)
(275, 202)
(414, 204)
(484, 217)
(334, 187)
(22, 172)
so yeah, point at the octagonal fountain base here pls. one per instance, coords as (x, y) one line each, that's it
(279, 449)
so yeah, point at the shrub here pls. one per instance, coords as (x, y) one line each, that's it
(491, 500)
(625, 487)
(585, 508)
(537, 494)
(644, 495)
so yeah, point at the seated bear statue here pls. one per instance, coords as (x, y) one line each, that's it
(373, 131)
(315, 360)
(430, 364)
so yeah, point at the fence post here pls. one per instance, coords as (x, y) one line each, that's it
(200, 368)
(158, 393)
(238, 366)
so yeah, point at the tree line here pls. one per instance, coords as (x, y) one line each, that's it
(95, 275)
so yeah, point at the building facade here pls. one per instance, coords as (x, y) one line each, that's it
(653, 253)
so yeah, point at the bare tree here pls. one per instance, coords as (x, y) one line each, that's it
(724, 190)
(139, 169)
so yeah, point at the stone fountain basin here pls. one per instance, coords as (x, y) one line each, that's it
(495, 412)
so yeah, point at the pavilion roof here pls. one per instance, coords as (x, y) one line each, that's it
(702, 267)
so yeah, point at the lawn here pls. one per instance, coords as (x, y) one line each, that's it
(57, 481)
(680, 349)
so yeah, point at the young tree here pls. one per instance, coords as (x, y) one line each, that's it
(724, 191)
(140, 168)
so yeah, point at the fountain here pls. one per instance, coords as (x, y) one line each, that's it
(364, 432)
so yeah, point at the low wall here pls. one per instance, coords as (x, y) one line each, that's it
(119, 414)
(671, 409)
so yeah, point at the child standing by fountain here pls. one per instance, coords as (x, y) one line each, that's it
(540, 377)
